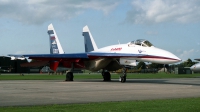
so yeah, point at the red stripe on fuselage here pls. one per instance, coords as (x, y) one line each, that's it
(157, 57)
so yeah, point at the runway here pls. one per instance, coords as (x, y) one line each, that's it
(44, 92)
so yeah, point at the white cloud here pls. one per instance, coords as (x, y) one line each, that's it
(185, 54)
(157, 11)
(39, 11)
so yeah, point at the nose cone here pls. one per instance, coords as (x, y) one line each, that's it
(175, 58)
(168, 57)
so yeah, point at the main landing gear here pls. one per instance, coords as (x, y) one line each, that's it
(70, 75)
(106, 76)
(123, 76)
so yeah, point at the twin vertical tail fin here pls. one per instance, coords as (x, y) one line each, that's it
(90, 44)
(55, 46)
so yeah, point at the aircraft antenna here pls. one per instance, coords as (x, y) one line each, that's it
(118, 42)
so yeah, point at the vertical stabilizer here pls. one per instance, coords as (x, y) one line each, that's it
(90, 44)
(55, 46)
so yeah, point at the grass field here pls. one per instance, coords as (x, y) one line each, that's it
(166, 105)
(78, 76)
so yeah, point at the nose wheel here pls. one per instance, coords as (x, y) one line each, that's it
(123, 79)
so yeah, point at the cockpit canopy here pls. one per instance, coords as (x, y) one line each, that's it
(141, 42)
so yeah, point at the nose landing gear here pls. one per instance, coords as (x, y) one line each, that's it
(123, 76)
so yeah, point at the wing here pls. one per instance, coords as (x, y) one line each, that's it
(77, 55)
(67, 59)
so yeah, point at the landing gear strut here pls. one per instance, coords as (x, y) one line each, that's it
(106, 76)
(123, 76)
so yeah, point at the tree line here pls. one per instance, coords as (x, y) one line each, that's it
(187, 63)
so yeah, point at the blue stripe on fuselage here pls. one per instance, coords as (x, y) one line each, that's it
(114, 54)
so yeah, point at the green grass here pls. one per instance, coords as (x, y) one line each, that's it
(166, 105)
(94, 76)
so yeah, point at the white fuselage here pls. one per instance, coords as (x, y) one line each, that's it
(149, 54)
(195, 68)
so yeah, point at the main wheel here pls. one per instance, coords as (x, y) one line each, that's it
(106, 76)
(69, 76)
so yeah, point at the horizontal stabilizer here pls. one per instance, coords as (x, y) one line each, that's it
(16, 57)
(197, 59)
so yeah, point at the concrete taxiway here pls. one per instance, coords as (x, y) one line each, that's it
(43, 92)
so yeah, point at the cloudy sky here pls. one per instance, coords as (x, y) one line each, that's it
(173, 25)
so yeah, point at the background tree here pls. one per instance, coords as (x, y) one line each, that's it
(155, 65)
(187, 63)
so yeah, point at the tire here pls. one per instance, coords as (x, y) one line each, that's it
(69, 76)
(106, 76)
(123, 79)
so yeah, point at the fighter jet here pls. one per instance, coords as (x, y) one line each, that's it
(109, 58)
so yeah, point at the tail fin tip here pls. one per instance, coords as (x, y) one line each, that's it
(85, 29)
(50, 27)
